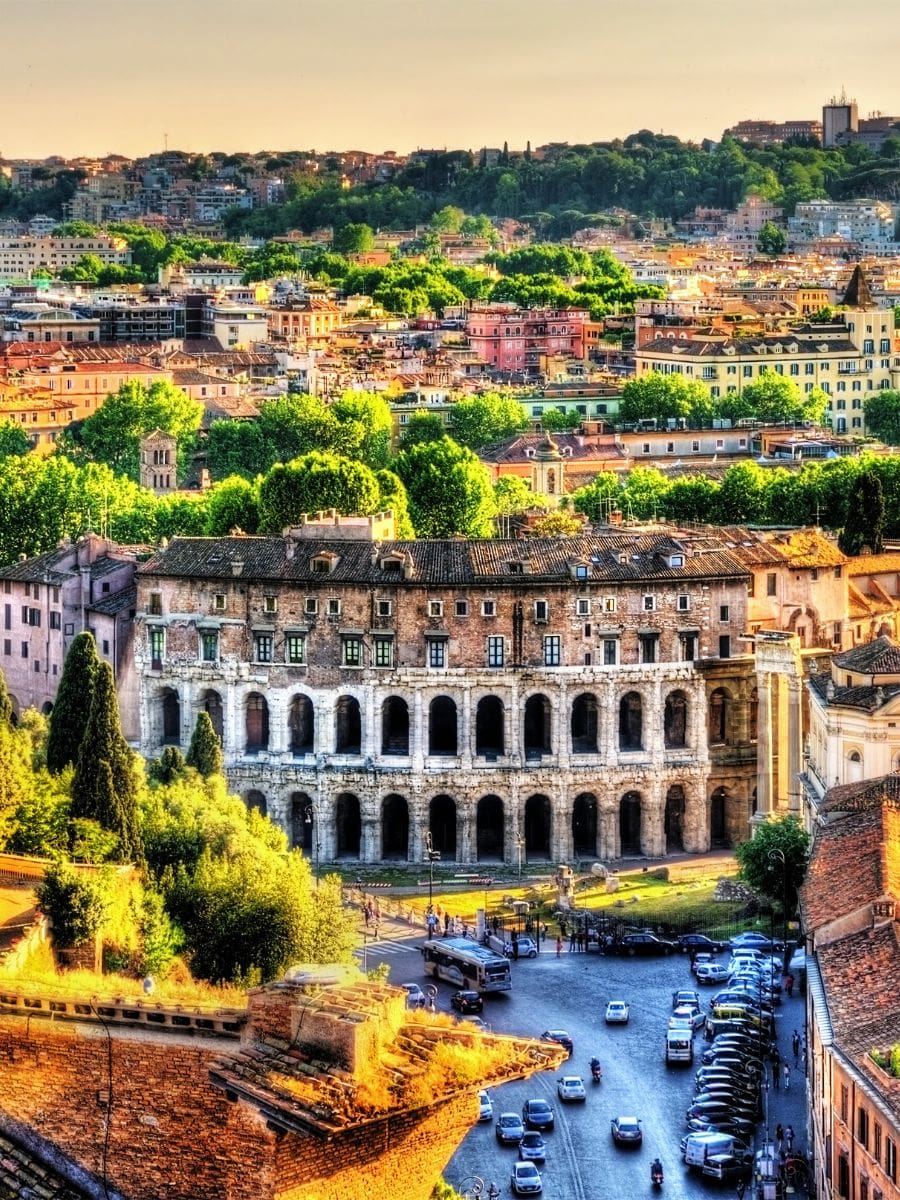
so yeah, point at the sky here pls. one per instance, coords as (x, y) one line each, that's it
(131, 76)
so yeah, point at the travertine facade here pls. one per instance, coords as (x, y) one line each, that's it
(550, 698)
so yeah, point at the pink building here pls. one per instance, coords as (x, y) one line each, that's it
(517, 339)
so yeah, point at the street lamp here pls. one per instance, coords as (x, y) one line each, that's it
(779, 857)
(309, 814)
(431, 857)
(520, 844)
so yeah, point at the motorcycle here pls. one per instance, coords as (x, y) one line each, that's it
(656, 1174)
(596, 1070)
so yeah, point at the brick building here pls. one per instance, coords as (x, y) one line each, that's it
(556, 697)
(516, 340)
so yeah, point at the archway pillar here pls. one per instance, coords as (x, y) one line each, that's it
(608, 826)
(369, 834)
(653, 818)
(370, 742)
(418, 733)
(464, 730)
(466, 818)
(562, 839)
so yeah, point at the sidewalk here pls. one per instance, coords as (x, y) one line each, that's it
(788, 1106)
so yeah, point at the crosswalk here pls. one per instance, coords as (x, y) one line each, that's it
(385, 946)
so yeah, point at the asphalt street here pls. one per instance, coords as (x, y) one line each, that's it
(571, 992)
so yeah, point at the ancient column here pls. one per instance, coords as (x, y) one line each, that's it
(764, 748)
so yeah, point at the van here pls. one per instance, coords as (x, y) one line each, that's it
(679, 1045)
(699, 1146)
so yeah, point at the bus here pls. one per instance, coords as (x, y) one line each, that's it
(467, 965)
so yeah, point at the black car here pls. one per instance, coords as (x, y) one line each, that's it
(467, 1002)
(699, 941)
(736, 1126)
(645, 943)
(537, 1114)
(559, 1035)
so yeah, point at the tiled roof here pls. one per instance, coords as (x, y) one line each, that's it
(796, 547)
(880, 657)
(845, 867)
(873, 564)
(25, 1177)
(867, 697)
(788, 345)
(572, 447)
(116, 602)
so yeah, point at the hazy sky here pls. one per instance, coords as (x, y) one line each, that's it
(94, 76)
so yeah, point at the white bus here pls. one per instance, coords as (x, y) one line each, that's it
(466, 964)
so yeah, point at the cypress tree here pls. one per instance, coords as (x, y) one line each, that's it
(205, 751)
(864, 523)
(73, 703)
(13, 773)
(104, 788)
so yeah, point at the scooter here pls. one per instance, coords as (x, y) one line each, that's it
(596, 1070)
(656, 1174)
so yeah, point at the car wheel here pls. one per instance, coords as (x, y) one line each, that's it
(533, 954)
(632, 951)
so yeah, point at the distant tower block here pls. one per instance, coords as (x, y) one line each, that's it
(839, 117)
(779, 745)
(158, 462)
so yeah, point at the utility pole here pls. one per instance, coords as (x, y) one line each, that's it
(431, 857)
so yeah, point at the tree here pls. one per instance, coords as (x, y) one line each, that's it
(392, 495)
(449, 490)
(558, 523)
(104, 787)
(479, 420)
(13, 440)
(512, 496)
(312, 482)
(599, 497)
(422, 426)
(76, 904)
(774, 862)
(69, 717)
(882, 414)
(366, 427)
(774, 398)
(771, 240)
(657, 397)
(232, 504)
(205, 751)
(557, 420)
(14, 781)
(354, 238)
(864, 522)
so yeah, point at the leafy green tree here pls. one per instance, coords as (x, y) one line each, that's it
(557, 420)
(14, 766)
(422, 426)
(479, 420)
(366, 427)
(558, 523)
(169, 766)
(76, 229)
(691, 498)
(270, 261)
(741, 495)
(354, 238)
(40, 825)
(312, 482)
(447, 220)
(160, 938)
(644, 493)
(76, 904)
(104, 787)
(512, 496)
(392, 495)
(232, 504)
(449, 490)
(598, 497)
(69, 717)
(864, 523)
(660, 397)
(241, 448)
(882, 412)
(205, 751)
(771, 240)
(774, 862)
(774, 398)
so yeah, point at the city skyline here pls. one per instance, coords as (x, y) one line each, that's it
(402, 74)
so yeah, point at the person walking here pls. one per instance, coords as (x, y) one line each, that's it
(789, 986)
(779, 1136)
(776, 1075)
(789, 1137)
(558, 946)
(795, 1045)
(787, 1078)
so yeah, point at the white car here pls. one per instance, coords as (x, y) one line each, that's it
(690, 1014)
(571, 1087)
(617, 1012)
(525, 1179)
(712, 972)
(415, 997)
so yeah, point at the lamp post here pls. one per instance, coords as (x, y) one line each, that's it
(519, 847)
(431, 857)
(309, 818)
(779, 857)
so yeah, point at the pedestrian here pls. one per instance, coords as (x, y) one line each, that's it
(377, 911)
(779, 1136)
(572, 939)
(376, 929)
(776, 1075)
(795, 1045)
(465, 931)
(789, 1137)
(515, 946)
(558, 946)
(787, 1077)
(789, 984)
(367, 913)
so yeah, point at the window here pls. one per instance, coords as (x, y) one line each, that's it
(7, 587)
(583, 607)
(862, 1127)
(384, 652)
(552, 650)
(105, 648)
(771, 583)
(24, 649)
(648, 643)
(157, 640)
(488, 608)
(610, 652)
(876, 1148)
(684, 603)
(688, 646)
(209, 645)
(725, 646)
(843, 1179)
(437, 653)
(7, 647)
(837, 572)
(263, 645)
(55, 620)
(495, 651)
(435, 608)
(462, 608)
(351, 651)
(24, 614)
(649, 604)
(541, 610)
(312, 606)
(609, 604)
(581, 571)
(295, 649)
(270, 604)
(154, 604)
(7, 616)
(724, 614)
(334, 607)
(321, 566)
(384, 608)
(890, 1159)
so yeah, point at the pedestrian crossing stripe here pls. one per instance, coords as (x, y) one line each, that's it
(382, 948)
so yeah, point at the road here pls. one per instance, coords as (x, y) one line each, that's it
(571, 993)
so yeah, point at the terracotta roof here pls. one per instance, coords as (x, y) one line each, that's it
(803, 548)
(572, 447)
(736, 347)
(24, 1177)
(865, 696)
(845, 868)
(881, 657)
(873, 564)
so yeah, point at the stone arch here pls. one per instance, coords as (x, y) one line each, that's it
(725, 822)
(630, 824)
(47, 708)
(211, 704)
(721, 713)
(675, 720)
(394, 828)
(301, 725)
(631, 722)
(538, 827)
(805, 623)
(303, 820)
(537, 726)
(442, 825)
(584, 825)
(256, 723)
(15, 709)
(855, 766)
(489, 828)
(442, 726)
(489, 727)
(585, 724)
(257, 800)
(347, 726)
(348, 826)
(674, 818)
(170, 713)
(395, 726)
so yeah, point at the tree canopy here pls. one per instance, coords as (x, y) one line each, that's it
(449, 490)
(774, 861)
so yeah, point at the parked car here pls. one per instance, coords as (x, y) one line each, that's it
(559, 1035)
(485, 1107)
(712, 972)
(415, 997)
(726, 1168)
(525, 1179)
(690, 1013)
(700, 959)
(509, 1129)
(626, 1131)
(645, 943)
(617, 1012)
(699, 941)
(753, 940)
(744, 1127)
(571, 1088)
(537, 1114)
(467, 1002)
(685, 996)
(527, 947)
(532, 1147)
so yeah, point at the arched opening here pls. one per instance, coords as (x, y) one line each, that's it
(258, 801)
(303, 820)
(720, 705)
(347, 726)
(675, 720)
(256, 723)
(674, 819)
(584, 826)
(442, 826)
(348, 826)
(489, 828)
(537, 726)
(630, 824)
(46, 708)
(630, 722)
(14, 715)
(171, 718)
(584, 724)
(537, 827)
(718, 820)
(394, 828)
(395, 726)
(855, 767)
(212, 706)
(489, 727)
(302, 725)
(442, 726)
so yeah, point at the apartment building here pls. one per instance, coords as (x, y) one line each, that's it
(514, 340)
(22, 256)
(588, 697)
(871, 223)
